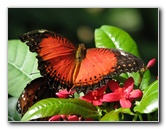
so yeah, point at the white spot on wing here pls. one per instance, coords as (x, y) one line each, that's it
(42, 31)
(123, 53)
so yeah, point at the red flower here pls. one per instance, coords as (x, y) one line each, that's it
(95, 96)
(58, 118)
(123, 94)
(73, 118)
(64, 93)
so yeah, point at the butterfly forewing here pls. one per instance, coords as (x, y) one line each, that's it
(56, 55)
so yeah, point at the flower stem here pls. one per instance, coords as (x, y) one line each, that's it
(136, 117)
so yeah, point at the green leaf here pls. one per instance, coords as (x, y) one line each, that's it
(13, 115)
(140, 80)
(113, 37)
(149, 101)
(21, 63)
(55, 106)
(136, 76)
(114, 114)
(145, 80)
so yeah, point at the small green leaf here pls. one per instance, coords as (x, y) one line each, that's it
(113, 37)
(149, 101)
(114, 114)
(55, 106)
(140, 80)
(21, 63)
(145, 80)
(136, 76)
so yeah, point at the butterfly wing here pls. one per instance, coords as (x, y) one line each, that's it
(56, 55)
(101, 62)
(34, 91)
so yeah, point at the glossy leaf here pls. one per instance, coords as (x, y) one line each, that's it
(21, 64)
(113, 37)
(149, 101)
(114, 114)
(55, 106)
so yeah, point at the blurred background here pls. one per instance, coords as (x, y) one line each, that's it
(79, 24)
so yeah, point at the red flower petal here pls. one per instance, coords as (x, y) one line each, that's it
(88, 97)
(55, 118)
(73, 118)
(125, 103)
(136, 94)
(63, 94)
(128, 85)
(101, 90)
(113, 85)
(111, 97)
(97, 102)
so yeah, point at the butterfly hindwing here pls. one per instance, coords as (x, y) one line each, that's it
(36, 90)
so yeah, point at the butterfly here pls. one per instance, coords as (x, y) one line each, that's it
(66, 65)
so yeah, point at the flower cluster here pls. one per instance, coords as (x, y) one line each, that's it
(125, 95)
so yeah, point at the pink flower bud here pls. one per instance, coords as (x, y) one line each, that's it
(151, 63)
